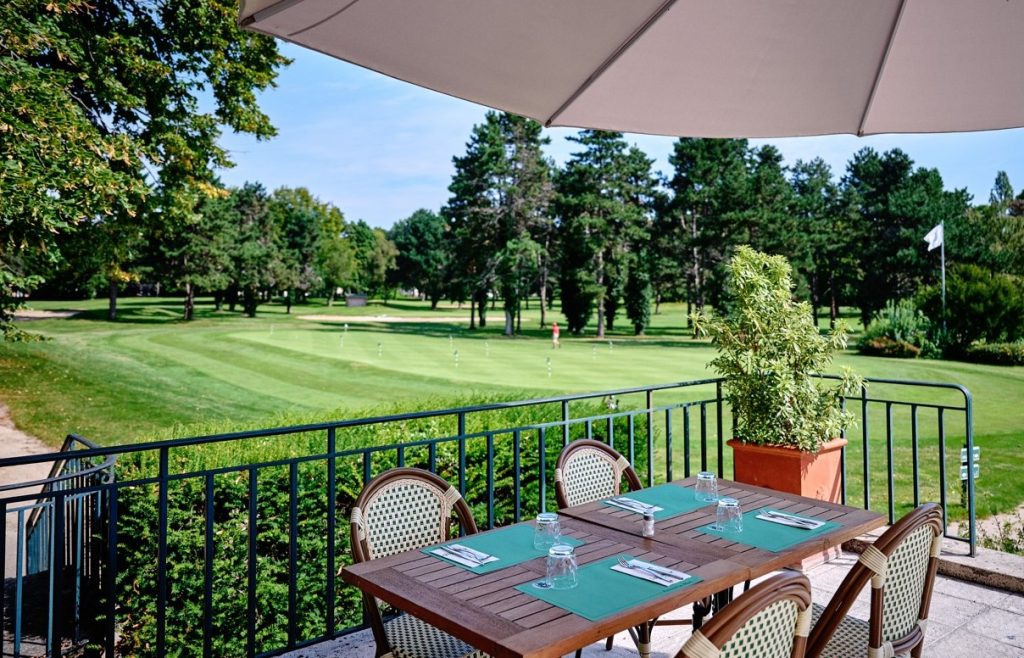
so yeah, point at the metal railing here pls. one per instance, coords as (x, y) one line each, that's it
(229, 545)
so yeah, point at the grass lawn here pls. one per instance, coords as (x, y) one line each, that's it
(149, 374)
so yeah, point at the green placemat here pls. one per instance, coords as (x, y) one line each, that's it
(770, 536)
(602, 592)
(673, 499)
(510, 545)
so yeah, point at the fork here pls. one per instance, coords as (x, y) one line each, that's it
(626, 564)
(464, 553)
(634, 505)
(804, 523)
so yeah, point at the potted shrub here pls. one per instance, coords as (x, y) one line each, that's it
(787, 421)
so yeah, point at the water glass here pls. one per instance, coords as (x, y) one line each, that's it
(706, 490)
(728, 517)
(547, 531)
(561, 567)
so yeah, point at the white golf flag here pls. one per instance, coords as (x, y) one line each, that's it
(934, 238)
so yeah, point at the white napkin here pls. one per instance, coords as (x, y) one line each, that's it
(792, 520)
(451, 552)
(636, 507)
(666, 577)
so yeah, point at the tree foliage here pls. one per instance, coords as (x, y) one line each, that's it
(101, 114)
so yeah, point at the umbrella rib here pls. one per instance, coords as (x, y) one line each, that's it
(881, 68)
(280, 6)
(606, 64)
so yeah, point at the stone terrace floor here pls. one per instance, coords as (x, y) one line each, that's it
(965, 619)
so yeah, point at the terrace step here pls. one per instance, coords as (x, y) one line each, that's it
(991, 568)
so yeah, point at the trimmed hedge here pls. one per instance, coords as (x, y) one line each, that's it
(997, 354)
(138, 523)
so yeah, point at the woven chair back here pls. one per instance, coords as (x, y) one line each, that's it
(769, 621)
(589, 470)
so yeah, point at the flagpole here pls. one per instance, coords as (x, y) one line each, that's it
(942, 252)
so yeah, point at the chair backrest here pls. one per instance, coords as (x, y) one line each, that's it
(590, 470)
(403, 509)
(769, 621)
(901, 567)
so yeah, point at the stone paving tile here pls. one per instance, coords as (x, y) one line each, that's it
(964, 643)
(1000, 625)
(954, 611)
(969, 591)
(936, 631)
(1012, 602)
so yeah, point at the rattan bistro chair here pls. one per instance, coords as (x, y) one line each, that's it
(901, 566)
(770, 620)
(399, 510)
(590, 470)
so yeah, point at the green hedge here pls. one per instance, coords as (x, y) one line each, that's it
(999, 354)
(138, 523)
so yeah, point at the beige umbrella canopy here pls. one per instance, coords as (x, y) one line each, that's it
(711, 68)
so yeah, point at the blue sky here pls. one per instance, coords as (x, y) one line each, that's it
(379, 149)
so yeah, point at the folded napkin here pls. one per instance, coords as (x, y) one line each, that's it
(784, 518)
(656, 574)
(633, 505)
(463, 555)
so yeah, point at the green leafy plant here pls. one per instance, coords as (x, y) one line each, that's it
(769, 351)
(899, 330)
(999, 354)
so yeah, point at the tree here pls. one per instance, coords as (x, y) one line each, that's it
(335, 258)
(300, 219)
(896, 205)
(824, 216)
(603, 200)
(256, 257)
(199, 258)
(498, 213)
(101, 110)
(708, 184)
(423, 254)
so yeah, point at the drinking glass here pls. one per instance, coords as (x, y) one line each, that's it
(706, 490)
(728, 517)
(547, 531)
(561, 567)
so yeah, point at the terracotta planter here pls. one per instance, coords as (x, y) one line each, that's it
(811, 474)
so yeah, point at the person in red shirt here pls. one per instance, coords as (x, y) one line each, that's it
(554, 335)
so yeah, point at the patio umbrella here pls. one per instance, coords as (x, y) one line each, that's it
(711, 68)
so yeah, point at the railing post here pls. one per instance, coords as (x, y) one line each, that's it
(332, 447)
(161, 558)
(865, 432)
(565, 422)
(462, 453)
(650, 438)
(720, 430)
(969, 422)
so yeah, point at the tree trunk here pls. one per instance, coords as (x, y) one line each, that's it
(481, 307)
(288, 302)
(601, 295)
(232, 298)
(543, 296)
(218, 300)
(657, 304)
(472, 312)
(833, 307)
(112, 301)
(814, 297)
(190, 302)
(330, 296)
(510, 320)
(519, 318)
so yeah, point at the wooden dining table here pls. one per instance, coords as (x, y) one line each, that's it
(487, 611)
